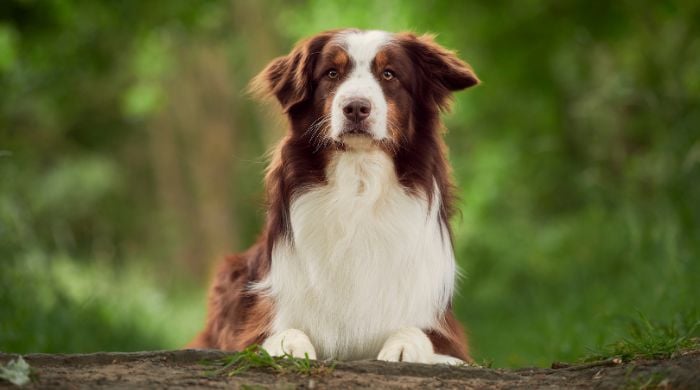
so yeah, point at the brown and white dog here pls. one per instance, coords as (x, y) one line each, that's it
(356, 259)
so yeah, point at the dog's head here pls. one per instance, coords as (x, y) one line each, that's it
(350, 88)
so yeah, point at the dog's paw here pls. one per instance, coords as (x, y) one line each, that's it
(446, 359)
(407, 345)
(291, 341)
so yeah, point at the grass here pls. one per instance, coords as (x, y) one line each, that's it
(255, 357)
(653, 340)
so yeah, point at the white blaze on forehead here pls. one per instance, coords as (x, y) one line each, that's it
(362, 47)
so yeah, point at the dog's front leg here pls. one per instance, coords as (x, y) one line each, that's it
(407, 345)
(290, 342)
(413, 345)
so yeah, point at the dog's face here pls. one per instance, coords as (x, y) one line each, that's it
(351, 88)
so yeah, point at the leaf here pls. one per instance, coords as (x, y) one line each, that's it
(16, 371)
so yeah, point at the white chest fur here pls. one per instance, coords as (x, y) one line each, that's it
(367, 259)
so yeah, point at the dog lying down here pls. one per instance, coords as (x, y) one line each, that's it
(355, 260)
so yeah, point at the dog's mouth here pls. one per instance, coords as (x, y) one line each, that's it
(357, 136)
(357, 141)
(356, 129)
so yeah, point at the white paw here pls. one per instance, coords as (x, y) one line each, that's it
(291, 341)
(446, 359)
(407, 345)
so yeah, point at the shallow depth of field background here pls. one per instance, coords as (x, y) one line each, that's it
(131, 159)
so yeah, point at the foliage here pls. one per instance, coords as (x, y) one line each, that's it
(130, 160)
(59, 304)
(255, 357)
(16, 371)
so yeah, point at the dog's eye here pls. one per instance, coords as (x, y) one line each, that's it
(332, 74)
(388, 75)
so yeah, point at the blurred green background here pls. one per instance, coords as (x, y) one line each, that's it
(131, 160)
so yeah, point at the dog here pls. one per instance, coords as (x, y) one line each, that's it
(355, 260)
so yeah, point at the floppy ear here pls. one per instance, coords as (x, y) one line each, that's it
(289, 78)
(442, 71)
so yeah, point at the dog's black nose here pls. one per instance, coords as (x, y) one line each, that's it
(357, 110)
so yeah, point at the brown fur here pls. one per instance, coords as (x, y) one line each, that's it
(450, 339)
(427, 75)
(236, 317)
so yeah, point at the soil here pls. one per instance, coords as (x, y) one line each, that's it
(185, 369)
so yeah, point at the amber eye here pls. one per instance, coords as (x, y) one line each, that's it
(388, 75)
(332, 74)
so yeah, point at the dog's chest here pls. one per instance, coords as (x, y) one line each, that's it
(366, 259)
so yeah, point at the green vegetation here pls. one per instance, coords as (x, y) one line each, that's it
(16, 371)
(130, 160)
(256, 357)
(648, 340)
(61, 305)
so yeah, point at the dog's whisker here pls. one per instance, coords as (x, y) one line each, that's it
(315, 131)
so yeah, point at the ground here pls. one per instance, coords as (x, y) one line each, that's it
(187, 369)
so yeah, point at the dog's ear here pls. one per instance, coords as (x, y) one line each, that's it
(440, 70)
(290, 78)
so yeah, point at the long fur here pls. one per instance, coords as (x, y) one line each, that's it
(356, 255)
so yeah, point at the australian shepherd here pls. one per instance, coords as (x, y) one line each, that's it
(355, 260)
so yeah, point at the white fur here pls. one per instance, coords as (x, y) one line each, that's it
(361, 47)
(367, 259)
(407, 345)
(291, 341)
(446, 359)
(413, 345)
